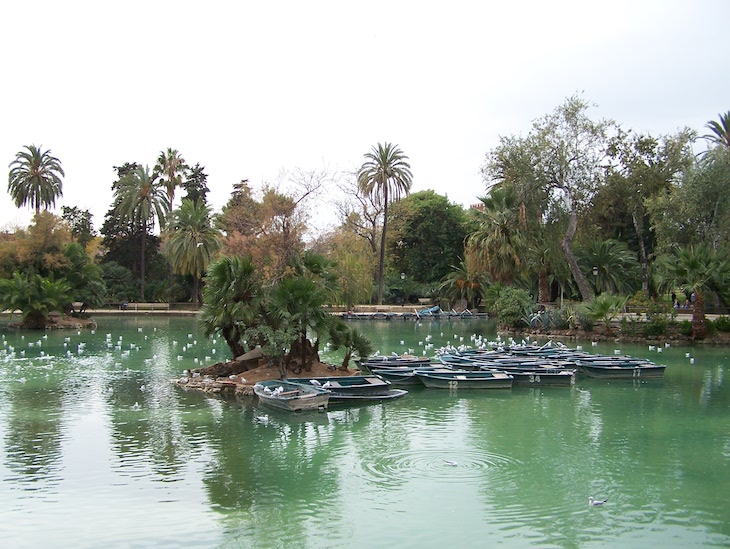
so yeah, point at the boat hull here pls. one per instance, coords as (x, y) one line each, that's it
(294, 398)
(465, 380)
(623, 372)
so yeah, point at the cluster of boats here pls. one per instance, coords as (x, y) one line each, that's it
(497, 368)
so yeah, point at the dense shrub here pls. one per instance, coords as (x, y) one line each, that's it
(685, 328)
(722, 323)
(512, 306)
(655, 326)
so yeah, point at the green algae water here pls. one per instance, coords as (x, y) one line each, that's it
(99, 449)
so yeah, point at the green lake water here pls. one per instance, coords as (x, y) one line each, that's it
(99, 449)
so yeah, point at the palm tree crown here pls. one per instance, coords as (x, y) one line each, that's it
(35, 178)
(171, 167)
(385, 176)
(720, 131)
(192, 241)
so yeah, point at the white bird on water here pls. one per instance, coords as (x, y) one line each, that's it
(595, 502)
(450, 463)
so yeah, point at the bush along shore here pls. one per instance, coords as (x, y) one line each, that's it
(631, 328)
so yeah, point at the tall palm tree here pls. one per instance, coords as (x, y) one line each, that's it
(385, 176)
(140, 198)
(720, 131)
(170, 168)
(615, 268)
(192, 241)
(695, 269)
(499, 244)
(35, 178)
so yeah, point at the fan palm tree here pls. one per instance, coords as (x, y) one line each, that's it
(720, 131)
(192, 241)
(170, 168)
(35, 296)
(140, 199)
(695, 269)
(461, 283)
(499, 244)
(385, 176)
(606, 307)
(617, 268)
(35, 178)
(232, 298)
(299, 302)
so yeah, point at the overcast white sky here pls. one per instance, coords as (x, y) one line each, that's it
(249, 89)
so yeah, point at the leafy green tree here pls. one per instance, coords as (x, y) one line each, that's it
(606, 308)
(196, 185)
(512, 305)
(140, 199)
(696, 270)
(563, 160)
(385, 175)
(39, 249)
(84, 277)
(79, 221)
(695, 211)
(35, 296)
(120, 282)
(426, 236)
(232, 300)
(643, 167)
(35, 178)
(192, 241)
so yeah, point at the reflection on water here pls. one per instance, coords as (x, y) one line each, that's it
(98, 448)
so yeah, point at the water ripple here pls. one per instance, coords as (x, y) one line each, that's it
(436, 464)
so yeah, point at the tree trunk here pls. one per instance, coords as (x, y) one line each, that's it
(381, 265)
(543, 286)
(638, 228)
(699, 324)
(567, 247)
(233, 339)
(141, 259)
(196, 290)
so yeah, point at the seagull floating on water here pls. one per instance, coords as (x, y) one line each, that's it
(450, 463)
(595, 502)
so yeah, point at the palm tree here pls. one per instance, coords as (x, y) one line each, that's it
(35, 178)
(498, 244)
(35, 296)
(605, 307)
(232, 298)
(696, 270)
(461, 283)
(615, 268)
(720, 131)
(170, 168)
(192, 241)
(140, 198)
(298, 302)
(385, 176)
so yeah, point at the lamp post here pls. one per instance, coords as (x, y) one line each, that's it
(595, 276)
(403, 284)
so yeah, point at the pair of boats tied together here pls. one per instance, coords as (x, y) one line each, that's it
(494, 367)
(296, 394)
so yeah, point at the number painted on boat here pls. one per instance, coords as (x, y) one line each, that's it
(637, 372)
(453, 384)
(534, 378)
